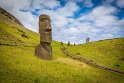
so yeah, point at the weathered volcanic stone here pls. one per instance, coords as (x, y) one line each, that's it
(44, 49)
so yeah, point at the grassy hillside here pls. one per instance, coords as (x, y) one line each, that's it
(9, 16)
(109, 53)
(18, 63)
(11, 33)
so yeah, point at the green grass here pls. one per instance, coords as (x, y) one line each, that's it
(107, 52)
(18, 64)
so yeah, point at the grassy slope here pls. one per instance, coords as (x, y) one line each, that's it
(18, 64)
(107, 52)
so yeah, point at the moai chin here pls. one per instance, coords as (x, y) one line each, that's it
(44, 49)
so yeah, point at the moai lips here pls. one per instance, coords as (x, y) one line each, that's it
(44, 49)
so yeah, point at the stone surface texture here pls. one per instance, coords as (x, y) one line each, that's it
(44, 49)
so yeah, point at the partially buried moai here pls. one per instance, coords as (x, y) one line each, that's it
(44, 49)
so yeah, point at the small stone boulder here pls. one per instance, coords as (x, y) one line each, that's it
(24, 35)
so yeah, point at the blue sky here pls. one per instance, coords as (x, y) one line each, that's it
(72, 20)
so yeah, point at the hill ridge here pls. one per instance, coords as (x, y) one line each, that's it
(10, 16)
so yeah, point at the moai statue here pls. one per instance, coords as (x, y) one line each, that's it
(87, 40)
(68, 43)
(44, 49)
(74, 44)
(61, 43)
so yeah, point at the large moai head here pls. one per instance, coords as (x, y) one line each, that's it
(45, 29)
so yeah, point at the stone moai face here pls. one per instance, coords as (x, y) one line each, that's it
(45, 29)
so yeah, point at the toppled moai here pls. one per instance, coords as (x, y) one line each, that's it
(44, 49)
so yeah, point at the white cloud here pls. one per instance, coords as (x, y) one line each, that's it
(68, 9)
(99, 23)
(120, 3)
(107, 36)
(52, 4)
(88, 3)
(8, 5)
(96, 30)
(45, 3)
(14, 7)
(72, 30)
(101, 16)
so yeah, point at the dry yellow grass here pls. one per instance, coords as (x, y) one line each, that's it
(71, 62)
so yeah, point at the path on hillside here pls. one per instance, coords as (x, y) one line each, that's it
(15, 45)
(90, 62)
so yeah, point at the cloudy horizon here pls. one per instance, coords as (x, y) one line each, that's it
(72, 20)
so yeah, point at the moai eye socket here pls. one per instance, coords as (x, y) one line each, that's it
(42, 20)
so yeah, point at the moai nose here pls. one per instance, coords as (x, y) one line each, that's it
(48, 27)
